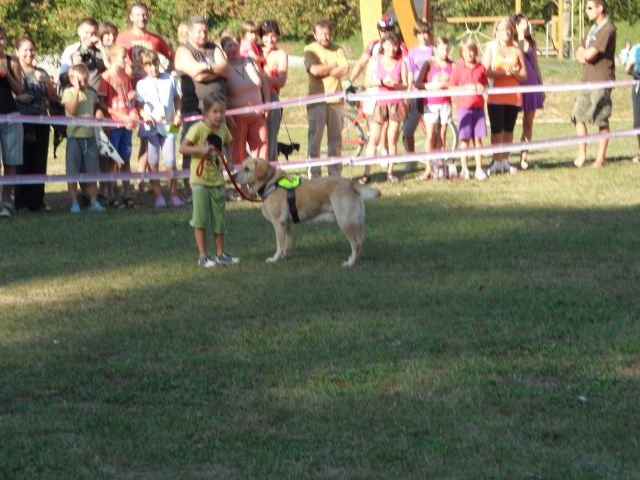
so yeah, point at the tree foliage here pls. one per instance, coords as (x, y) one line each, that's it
(52, 23)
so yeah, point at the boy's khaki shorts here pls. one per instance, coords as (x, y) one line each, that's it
(592, 106)
(208, 208)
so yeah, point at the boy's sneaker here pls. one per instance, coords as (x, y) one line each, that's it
(226, 259)
(480, 175)
(5, 210)
(96, 207)
(176, 202)
(206, 262)
(161, 202)
(75, 208)
(464, 174)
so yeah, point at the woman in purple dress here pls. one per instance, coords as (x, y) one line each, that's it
(530, 101)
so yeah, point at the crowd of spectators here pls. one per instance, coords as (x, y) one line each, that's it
(133, 77)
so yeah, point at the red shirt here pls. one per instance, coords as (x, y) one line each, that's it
(115, 88)
(136, 43)
(463, 75)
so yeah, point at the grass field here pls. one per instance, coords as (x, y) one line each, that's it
(491, 330)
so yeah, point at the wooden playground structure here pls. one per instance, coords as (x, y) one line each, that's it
(406, 14)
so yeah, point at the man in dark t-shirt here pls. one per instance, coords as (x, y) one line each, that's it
(597, 55)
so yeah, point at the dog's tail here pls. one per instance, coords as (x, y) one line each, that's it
(366, 192)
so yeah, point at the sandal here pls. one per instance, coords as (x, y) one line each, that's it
(364, 179)
(392, 178)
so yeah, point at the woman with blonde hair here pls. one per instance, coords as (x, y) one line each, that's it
(505, 66)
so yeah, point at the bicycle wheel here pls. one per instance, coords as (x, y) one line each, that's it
(354, 137)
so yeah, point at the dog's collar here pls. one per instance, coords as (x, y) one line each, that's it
(267, 189)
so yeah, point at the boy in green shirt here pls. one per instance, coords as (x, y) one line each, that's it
(206, 179)
(81, 101)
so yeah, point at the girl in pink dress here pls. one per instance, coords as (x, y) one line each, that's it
(390, 75)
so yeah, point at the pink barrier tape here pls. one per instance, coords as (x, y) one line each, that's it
(485, 151)
(320, 98)
(565, 87)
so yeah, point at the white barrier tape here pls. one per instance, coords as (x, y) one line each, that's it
(565, 87)
(93, 177)
(320, 98)
(485, 151)
(490, 150)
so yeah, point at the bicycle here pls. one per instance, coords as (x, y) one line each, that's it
(355, 132)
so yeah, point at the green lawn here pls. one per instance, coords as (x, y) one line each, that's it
(491, 330)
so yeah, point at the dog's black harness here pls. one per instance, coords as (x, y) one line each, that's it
(290, 184)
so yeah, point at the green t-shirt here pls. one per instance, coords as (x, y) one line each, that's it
(87, 102)
(211, 169)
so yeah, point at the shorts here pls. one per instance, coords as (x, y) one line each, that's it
(592, 106)
(635, 99)
(471, 123)
(208, 208)
(502, 117)
(437, 113)
(11, 139)
(167, 145)
(395, 112)
(120, 138)
(413, 117)
(82, 155)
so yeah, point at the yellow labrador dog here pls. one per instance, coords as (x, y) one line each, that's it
(322, 199)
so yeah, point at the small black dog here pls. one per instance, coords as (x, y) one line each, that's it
(287, 149)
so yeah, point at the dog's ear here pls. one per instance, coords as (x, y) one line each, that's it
(261, 169)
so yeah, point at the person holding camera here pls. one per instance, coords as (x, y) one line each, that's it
(88, 52)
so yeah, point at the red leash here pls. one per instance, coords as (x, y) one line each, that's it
(231, 176)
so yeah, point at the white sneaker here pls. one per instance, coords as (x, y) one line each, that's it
(480, 175)
(5, 210)
(506, 168)
(453, 171)
(206, 262)
(464, 174)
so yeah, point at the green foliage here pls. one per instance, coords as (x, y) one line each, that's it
(52, 23)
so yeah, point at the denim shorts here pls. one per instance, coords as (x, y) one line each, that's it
(120, 138)
(11, 138)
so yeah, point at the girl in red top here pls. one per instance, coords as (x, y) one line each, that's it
(390, 75)
(468, 74)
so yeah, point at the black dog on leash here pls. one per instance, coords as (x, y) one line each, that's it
(287, 149)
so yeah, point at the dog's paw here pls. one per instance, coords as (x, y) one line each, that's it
(348, 263)
(273, 259)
